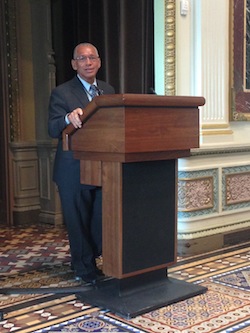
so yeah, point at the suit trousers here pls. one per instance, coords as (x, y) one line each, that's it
(82, 211)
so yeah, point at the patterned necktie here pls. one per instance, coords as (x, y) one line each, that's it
(93, 91)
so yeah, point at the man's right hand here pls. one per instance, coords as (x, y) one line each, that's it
(74, 118)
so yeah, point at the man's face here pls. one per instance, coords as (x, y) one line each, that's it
(86, 62)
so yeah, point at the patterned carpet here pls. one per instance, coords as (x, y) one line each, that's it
(38, 257)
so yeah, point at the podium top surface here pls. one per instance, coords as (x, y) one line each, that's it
(136, 123)
(142, 100)
(147, 100)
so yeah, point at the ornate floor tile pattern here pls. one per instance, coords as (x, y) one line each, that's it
(239, 278)
(30, 247)
(209, 312)
(219, 262)
(97, 322)
(224, 308)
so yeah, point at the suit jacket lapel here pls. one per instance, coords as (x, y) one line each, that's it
(79, 92)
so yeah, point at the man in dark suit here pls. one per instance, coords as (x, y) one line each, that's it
(81, 204)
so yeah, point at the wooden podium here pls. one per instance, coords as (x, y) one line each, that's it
(129, 144)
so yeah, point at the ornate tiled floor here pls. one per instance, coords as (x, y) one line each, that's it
(28, 248)
(38, 257)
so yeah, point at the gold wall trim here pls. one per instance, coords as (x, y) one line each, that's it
(239, 93)
(215, 129)
(216, 132)
(214, 126)
(170, 42)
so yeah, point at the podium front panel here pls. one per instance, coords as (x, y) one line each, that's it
(149, 204)
(139, 217)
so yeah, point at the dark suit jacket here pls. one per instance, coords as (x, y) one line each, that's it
(64, 99)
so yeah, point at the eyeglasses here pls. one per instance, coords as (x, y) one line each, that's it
(84, 58)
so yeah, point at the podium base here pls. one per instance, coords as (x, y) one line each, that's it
(132, 302)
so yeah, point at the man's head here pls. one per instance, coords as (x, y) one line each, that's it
(86, 61)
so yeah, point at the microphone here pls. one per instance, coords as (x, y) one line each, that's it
(152, 91)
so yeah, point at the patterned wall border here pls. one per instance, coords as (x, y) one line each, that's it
(197, 193)
(235, 188)
(220, 151)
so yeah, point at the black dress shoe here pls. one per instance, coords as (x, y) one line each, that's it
(88, 278)
(99, 272)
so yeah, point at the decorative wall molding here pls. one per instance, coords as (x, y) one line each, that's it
(25, 177)
(236, 187)
(228, 173)
(239, 38)
(170, 47)
(220, 151)
(50, 211)
(197, 193)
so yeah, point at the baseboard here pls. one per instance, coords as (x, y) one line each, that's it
(201, 245)
(26, 217)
